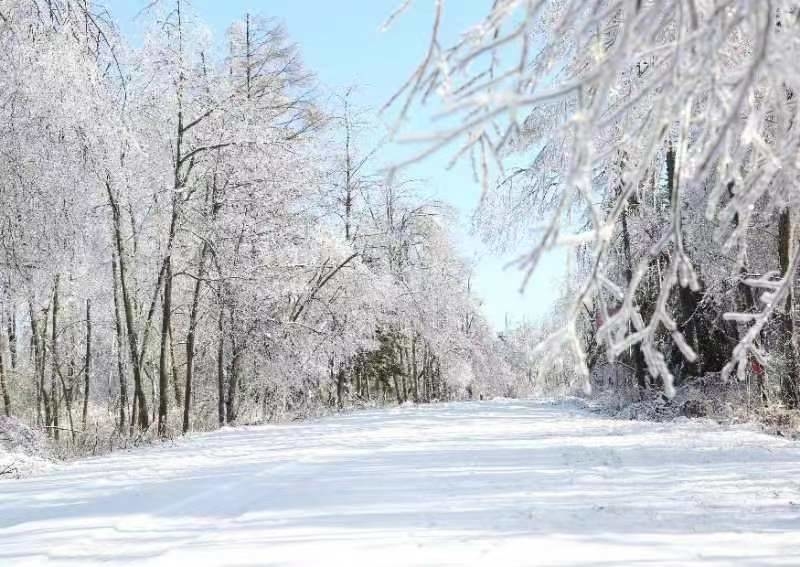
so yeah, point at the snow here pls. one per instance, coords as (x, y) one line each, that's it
(497, 483)
(23, 450)
(15, 463)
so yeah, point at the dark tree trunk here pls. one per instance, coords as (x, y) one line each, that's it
(365, 382)
(68, 386)
(12, 337)
(233, 385)
(221, 369)
(414, 374)
(123, 381)
(163, 369)
(357, 386)
(173, 375)
(87, 363)
(637, 357)
(36, 351)
(689, 301)
(166, 303)
(3, 384)
(190, 339)
(397, 388)
(54, 409)
(340, 387)
(140, 402)
(790, 390)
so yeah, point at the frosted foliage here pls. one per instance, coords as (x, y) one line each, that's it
(572, 112)
(191, 235)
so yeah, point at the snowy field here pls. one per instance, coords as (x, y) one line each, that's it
(494, 483)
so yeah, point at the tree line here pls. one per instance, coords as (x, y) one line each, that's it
(192, 236)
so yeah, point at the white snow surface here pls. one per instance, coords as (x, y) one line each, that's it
(498, 483)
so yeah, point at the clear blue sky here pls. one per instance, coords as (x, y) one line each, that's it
(342, 43)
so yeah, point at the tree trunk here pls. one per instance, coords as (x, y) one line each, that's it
(173, 375)
(187, 387)
(68, 386)
(6, 369)
(340, 387)
(414, 374)
(38, 372)
(790, 389)
(153, 398)
(54, 409)
(140, 402)
(134, 412)
(190, 338)
(424, 375)
(397, 388)
(367, 393)
(123, 381)
(357, 375)
(87, 363)
(689, 300)
(166, 313)
(12, 337)
(637, 357)
(221, 369)
(404, 372)
(233, 385)
(3, 385)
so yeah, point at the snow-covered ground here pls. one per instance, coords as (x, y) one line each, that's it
(494, 483)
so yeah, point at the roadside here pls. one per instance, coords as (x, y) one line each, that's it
(706, 398)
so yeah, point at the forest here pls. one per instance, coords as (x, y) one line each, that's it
(192, 235)
(237, 328)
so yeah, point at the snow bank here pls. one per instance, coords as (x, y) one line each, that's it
(23, 451)
(706, 398)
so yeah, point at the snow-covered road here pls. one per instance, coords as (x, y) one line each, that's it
(494, 483)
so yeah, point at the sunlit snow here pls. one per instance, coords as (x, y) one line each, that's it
(494, 483)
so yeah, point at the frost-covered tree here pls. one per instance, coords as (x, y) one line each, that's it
(183, 246)
(658, 139)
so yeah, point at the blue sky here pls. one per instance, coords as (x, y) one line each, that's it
(342, 43)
